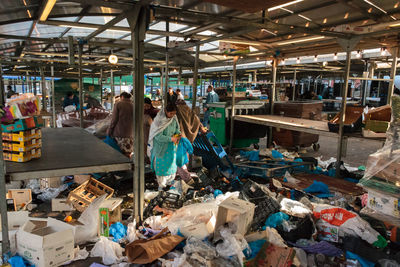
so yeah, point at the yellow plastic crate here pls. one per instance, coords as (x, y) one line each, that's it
(23, 136)
(22, 156)
(22, 146)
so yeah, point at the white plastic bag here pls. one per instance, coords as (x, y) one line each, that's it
(155, 222)
(131, 232)
(109, 251)
(90, 220)
(294, 208)
(50, 193)
(232, 245)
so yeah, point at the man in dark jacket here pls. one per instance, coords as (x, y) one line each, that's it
(171, 96)
(121, 127)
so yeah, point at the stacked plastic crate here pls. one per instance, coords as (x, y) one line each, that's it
(22, 139)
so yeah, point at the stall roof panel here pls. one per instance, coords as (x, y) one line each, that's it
(20, 28)
(47, 31)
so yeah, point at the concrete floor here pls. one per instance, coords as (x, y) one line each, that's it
(358, 150)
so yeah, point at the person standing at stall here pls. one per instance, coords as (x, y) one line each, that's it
(121, 127)
(163, 145)
(212, 97)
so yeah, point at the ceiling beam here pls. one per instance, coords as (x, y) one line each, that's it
(229, 20)
(357, 6)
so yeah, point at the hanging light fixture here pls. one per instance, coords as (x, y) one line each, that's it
(315, 58)
(151, 68)
(113, 59)
(335, 56)
(298, 60)
(324, 63)
(358, 54)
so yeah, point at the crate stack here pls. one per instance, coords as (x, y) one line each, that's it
(22, 139)
(382, 180)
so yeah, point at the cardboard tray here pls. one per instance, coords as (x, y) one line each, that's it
(352, 123)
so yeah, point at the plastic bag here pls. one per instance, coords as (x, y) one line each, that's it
(155, 222)
(34, 185)
(190, 215)
(109, 251)
(294, 208)
(90, 220)
(196, 246)
(118, 231)
(131, 232)
(232, 245)
(385, 162)
(350, 223)
(50, 193)
(100, 128)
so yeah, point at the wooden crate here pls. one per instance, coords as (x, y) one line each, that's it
(87, 192)
(380, 114)
(376, 126)
(311, 110)
(21, 197)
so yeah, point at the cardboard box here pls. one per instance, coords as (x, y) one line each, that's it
(12, 235)
(384, 203)
(237, 211)
(52, 182)
(16, 219)
(109, 213)
(80, 179)
(61, 204)
(46, 243)
(200, 230)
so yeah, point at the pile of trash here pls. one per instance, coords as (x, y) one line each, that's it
(274, 209)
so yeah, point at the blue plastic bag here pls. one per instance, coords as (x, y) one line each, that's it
(250, 155)
(118, 231)
(112, 143)
(276, 154)
(184, 147)
(275, 220)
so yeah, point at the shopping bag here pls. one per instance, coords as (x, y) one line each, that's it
(145, 251)
(112, 143)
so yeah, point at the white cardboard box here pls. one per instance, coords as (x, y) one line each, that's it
(384, 203)
(200, 230)
(12, 235)
(46, 243)
(237, 211)
(16, 219)
(61, 204)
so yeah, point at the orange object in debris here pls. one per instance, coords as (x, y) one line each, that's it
(68, 219)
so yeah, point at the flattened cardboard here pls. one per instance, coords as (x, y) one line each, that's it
(61, 204)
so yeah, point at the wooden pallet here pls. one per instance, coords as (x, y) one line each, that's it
(87, 192)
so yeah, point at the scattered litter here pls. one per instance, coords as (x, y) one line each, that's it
(109, 251)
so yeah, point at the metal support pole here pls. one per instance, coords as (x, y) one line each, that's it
(2, 89)
(28, 83)
(34, 86)
(364, 87)
(5, 243)
(138, 29)
(196, 66)
(294, 84)
(272, 99)
(343, 112)
(53, 96)
(392, 75)
(166, 63)
(80, 49)
(44, 91)
(112, 89)
(162, 94)
(231, 137)
(101, 86)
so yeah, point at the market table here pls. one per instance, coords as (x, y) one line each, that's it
(69, 151)
(294, 124)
